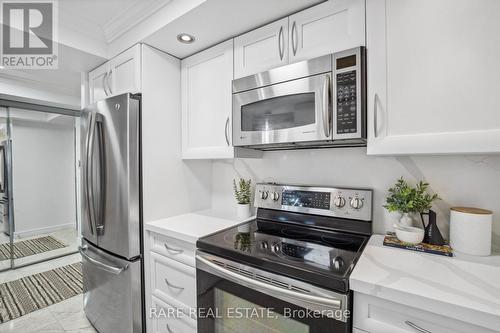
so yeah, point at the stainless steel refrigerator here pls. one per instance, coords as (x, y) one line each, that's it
(111, 214)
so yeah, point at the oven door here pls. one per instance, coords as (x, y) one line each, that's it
(237, 298)
(293, 111)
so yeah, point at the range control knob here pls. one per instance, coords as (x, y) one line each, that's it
(264, 195)
(339, 202)
(276, 248)
(275, 196)
(337, 263)
(356, 203)
(264, 245)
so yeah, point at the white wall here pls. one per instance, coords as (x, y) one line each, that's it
(171, 186)
(459, 180)
(43, 176)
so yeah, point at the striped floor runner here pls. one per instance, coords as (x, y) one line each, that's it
(37, 291)
(30, 247)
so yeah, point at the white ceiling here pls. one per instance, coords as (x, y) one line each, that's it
(65, 79)
(217, 20)
(90, 28)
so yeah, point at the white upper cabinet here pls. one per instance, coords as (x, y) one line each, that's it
(206, 103)
(433, 76)
(119, 75)
(98, 83)
(261, 49)
(125, 71)
(329, 27)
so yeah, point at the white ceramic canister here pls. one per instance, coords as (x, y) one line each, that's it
(470, 230)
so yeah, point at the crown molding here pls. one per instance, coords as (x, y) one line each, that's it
(132, 16)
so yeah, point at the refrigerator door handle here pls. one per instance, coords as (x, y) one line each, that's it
(101, 189)
(103, 266)
(90, 171)
(86, 173)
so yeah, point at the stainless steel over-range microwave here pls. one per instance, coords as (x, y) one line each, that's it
(314, 103)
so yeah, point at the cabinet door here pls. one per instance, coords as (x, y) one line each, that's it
(125, 71)
(433, 74)
(261, 49)
(206, 103)
(98, 80)
(327, 28)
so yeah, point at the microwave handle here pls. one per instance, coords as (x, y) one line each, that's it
(326, 110)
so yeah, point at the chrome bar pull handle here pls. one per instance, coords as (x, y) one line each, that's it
(173, 285)
(294, 38)
(103, 266)
(99, 124)
(104, 83)
(226, 131)
(281, 43)
(172, 250)
(85, 176)
(416, 327)
(375, 116)
(89, 171)
(108, 81)
(326, 109)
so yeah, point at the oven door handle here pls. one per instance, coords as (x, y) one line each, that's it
(334, 303)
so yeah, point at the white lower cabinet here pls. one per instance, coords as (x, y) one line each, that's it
(170, 285)
(376, 315)
(171, 324)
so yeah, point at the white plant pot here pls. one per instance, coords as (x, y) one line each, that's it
(390, 219)
(243, 211)
(406, 220)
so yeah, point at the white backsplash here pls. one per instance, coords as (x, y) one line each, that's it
(459, 180)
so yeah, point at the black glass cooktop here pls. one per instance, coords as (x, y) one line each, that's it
(322, 257)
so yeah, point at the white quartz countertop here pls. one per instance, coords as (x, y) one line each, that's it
(191, 226)
(463, 287)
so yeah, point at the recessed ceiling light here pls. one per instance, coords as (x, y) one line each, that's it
(185, 38)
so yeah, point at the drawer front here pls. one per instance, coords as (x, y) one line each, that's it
(376, 315)
(173, 280)
(172, 248)
(168, 320)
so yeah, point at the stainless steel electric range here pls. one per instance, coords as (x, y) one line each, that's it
(288, 269)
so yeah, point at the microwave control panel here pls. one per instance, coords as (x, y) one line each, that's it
(346, 103)
(349, 94)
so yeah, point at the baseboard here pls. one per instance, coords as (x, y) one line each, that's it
(46, 230)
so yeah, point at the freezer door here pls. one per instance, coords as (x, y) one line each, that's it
(112, 291)
(110, 177)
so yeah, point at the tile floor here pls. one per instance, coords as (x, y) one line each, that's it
(63, 317)
(66, 235)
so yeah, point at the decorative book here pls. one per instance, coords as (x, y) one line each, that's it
(392, 241)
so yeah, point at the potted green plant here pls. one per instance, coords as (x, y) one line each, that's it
(243, 194)
(407, 199)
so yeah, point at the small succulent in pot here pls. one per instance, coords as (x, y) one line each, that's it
(243, 195)
(407, 199)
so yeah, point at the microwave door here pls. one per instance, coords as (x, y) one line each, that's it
(289, 112)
